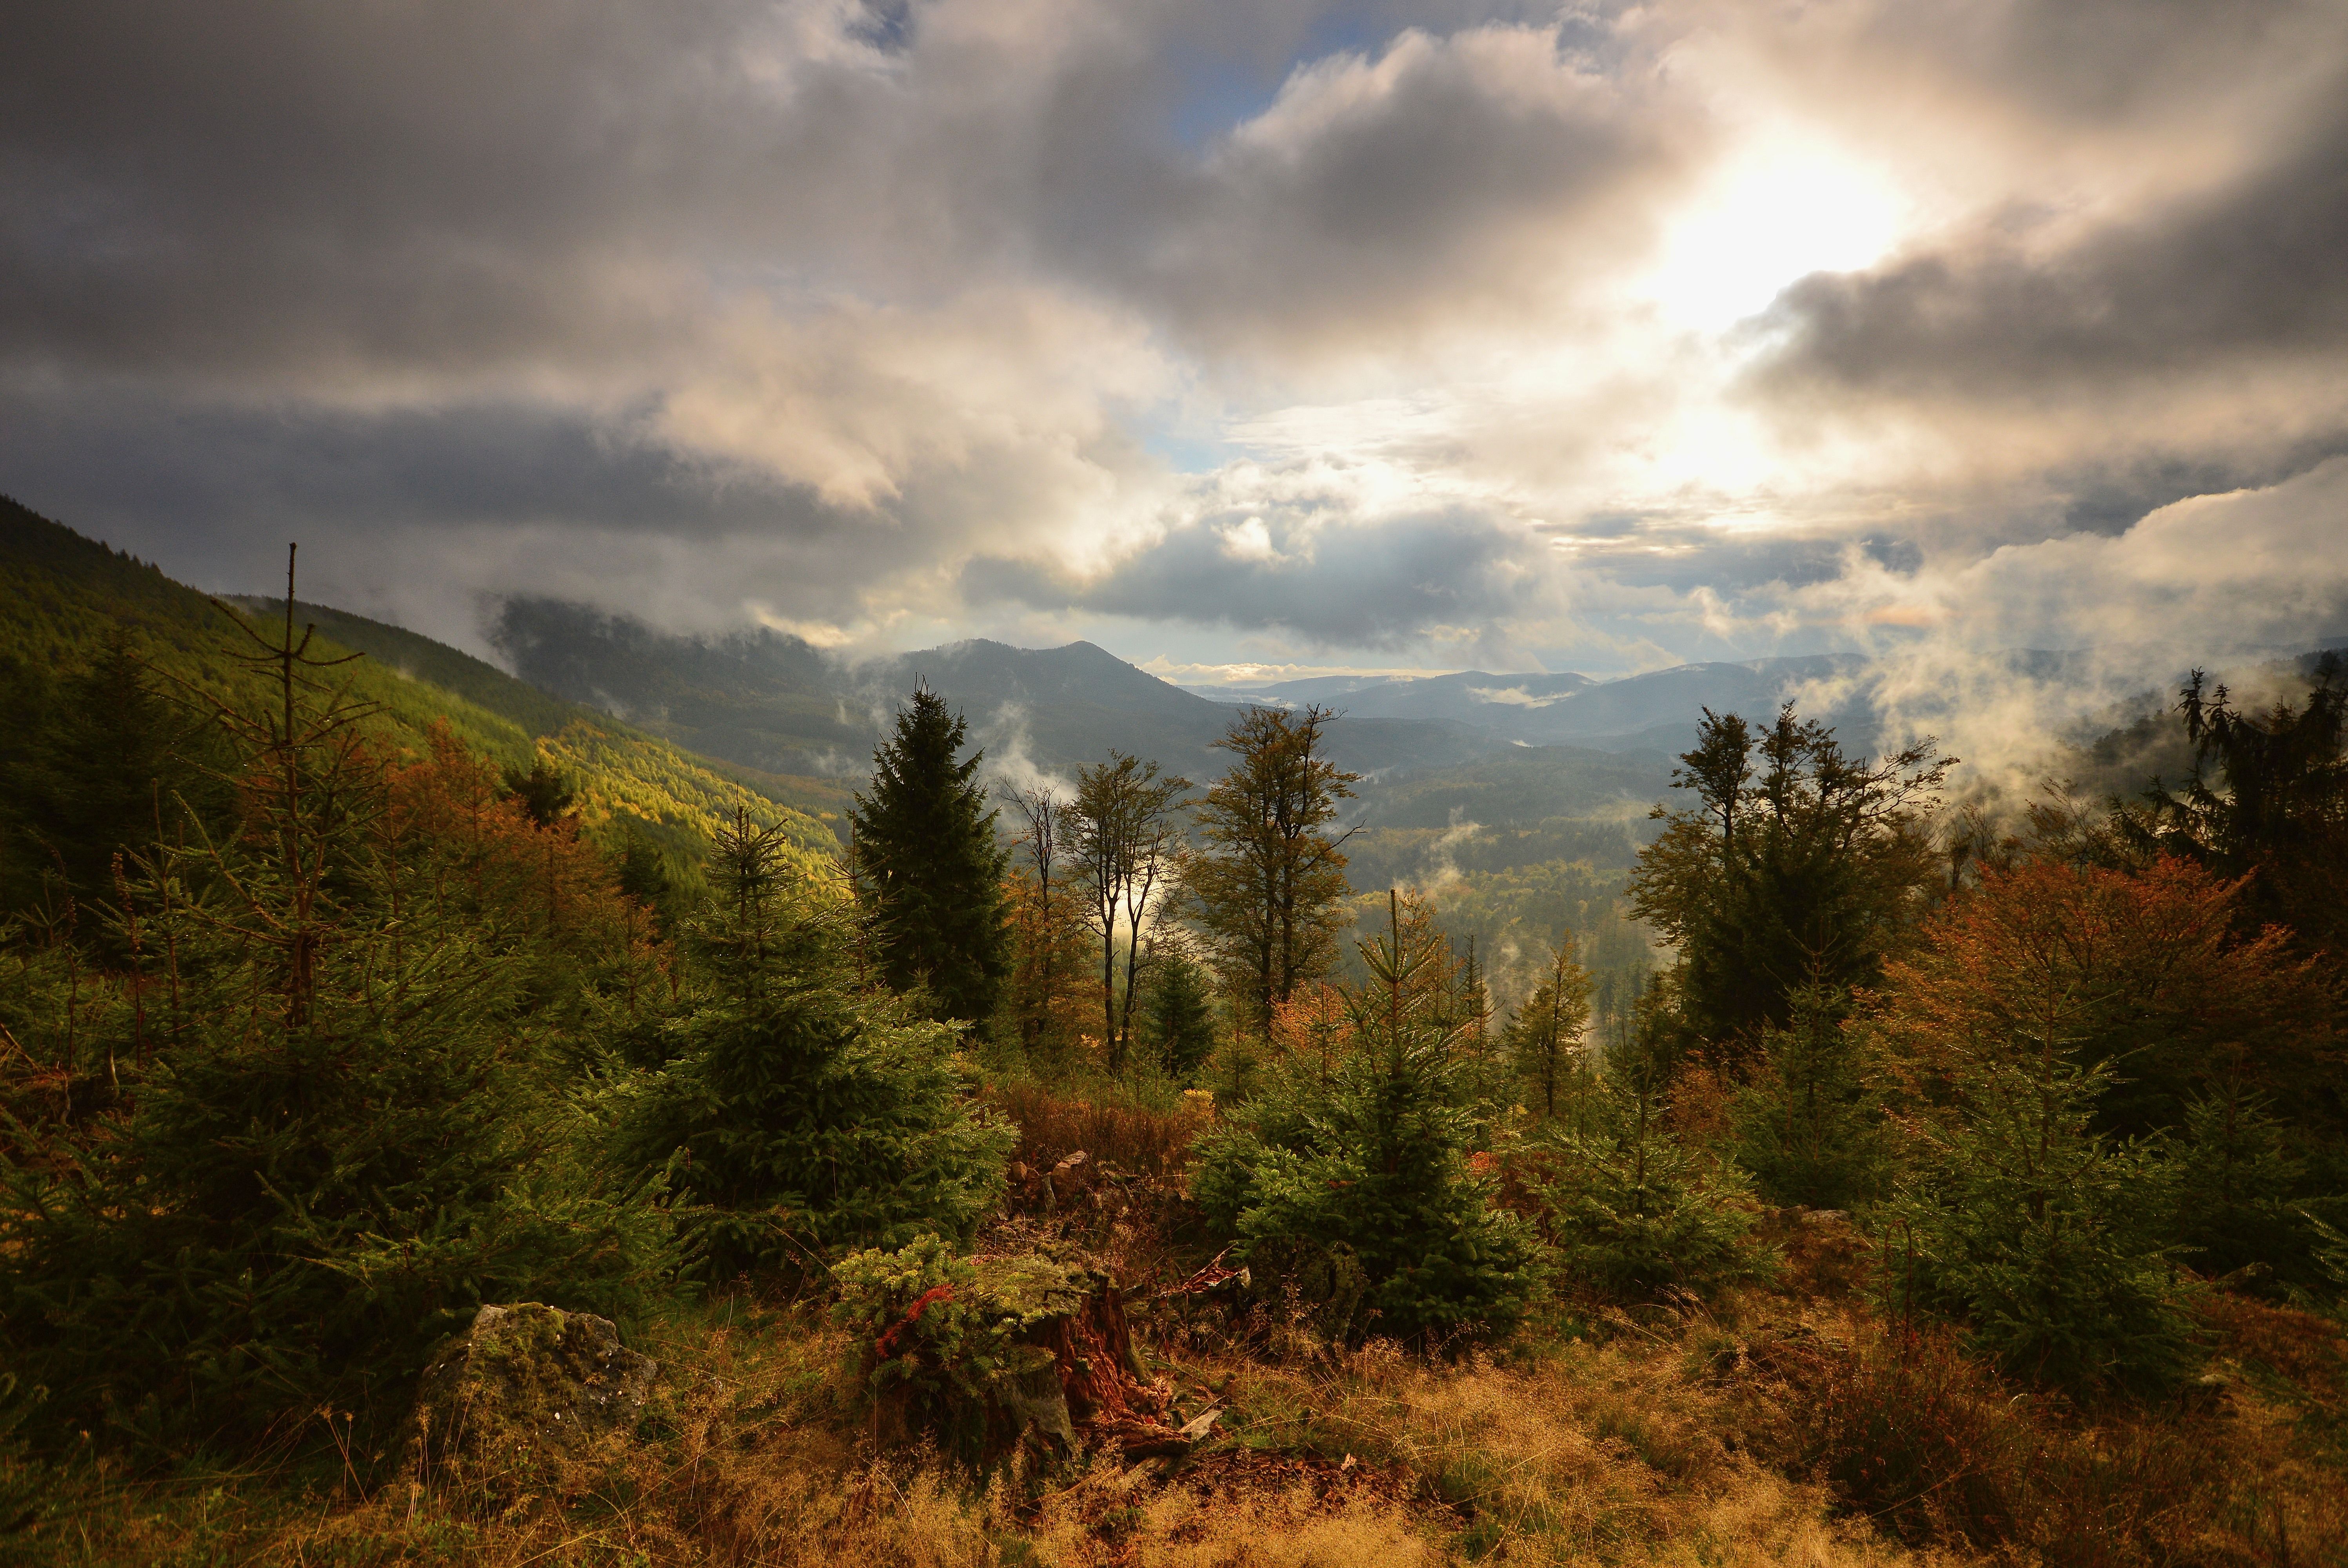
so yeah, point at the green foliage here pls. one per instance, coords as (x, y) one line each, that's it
(544, 797)
(1178, 1014)
(919, 1338)
(316, 1174)
(1627, 1208)
(1545, 1038)
(941, 1349)
(101, 764)
(64, 601)
(800, 1109)
(1368, 1166)
(927, 860)
(2269, 792)
(2044, 1236)
(2240, 1191)
(1810, 872)
(1809, 1126)
(1267, 882)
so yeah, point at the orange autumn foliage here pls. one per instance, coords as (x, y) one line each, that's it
(1313, 1028)
(2144, 970)
(479, 857)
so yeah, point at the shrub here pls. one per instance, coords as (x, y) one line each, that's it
(1368, 1166)
(2042, 1235)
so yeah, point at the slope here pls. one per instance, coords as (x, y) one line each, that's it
(62, 596)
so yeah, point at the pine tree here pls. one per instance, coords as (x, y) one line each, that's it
(1178, 1013)
(1363, 1175)
(102, 764)
(1809, 1126)
(801, 1113)
(927, 863)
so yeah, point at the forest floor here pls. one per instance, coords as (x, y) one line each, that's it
(1784, 1423)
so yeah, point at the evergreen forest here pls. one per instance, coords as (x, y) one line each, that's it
(441, 1122)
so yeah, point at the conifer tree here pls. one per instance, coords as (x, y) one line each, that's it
(928, 864)
(1809, 1126)
(1545, 1040)
(1625, 1206)
(1363, 1175)
(1178, 1013)
(801, 1112)
(2044, 1236)
(326, 1167)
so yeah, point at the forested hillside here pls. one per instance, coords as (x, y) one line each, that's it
(64, 599)
(441, 1125)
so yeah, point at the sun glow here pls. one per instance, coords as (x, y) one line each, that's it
(1775, 212)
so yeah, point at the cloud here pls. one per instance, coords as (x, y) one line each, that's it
(1303, 333)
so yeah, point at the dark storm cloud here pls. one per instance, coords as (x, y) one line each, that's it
(851, 315)
(2252, 274)
(1366, 585)
(1492, 161)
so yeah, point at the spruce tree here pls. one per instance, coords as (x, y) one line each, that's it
(2044, 1236)
(928, 864)
(1178, 1013)
(1363, 1175)
(801, 1113)
(1809, 1126)
(344, 1144)
(1627, 1208)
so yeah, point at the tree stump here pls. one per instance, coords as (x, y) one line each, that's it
(1064, 1366)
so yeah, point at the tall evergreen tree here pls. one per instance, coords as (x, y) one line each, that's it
(1798, 864)
(928, 864)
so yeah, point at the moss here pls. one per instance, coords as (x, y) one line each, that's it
(526, 1391)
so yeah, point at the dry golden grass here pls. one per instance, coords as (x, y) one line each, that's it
(1747, 1438)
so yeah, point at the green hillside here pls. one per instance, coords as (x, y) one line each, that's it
(63, 595)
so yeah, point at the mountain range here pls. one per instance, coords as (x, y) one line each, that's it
(1508, 747)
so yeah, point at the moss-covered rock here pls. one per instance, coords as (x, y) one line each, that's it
(1027, 1350)
(527, 1391)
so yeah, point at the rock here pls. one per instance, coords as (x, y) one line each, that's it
(524, 1392)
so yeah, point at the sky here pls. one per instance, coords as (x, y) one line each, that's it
(1241, 338)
